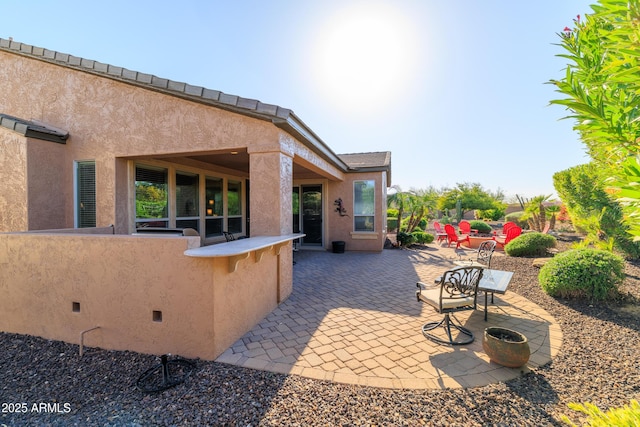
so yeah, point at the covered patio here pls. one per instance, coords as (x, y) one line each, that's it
(353, 318)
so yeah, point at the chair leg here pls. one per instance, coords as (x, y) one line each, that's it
(447, 324)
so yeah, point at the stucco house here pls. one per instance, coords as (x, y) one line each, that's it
(95, 156)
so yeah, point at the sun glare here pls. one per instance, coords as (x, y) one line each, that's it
(365, 57)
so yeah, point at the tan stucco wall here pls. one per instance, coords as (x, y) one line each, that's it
(109, 120)
(13, 185)
(341, 227)
(48, 186)
(120, 280)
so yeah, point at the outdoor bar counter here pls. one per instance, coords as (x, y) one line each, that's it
(238, 250)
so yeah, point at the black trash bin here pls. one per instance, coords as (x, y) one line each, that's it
(338, 247)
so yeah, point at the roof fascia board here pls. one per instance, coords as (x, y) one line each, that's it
(297, 128)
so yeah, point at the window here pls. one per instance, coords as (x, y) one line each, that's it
(152, 197)
(234, 203)
(187, 207)
(364, 205)
(85, 194)
(169, 197)
(214, 211)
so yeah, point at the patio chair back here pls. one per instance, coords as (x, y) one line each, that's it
(456, 291)
(452, 236)
(512, 233)
(465, 227)
(485, 252)
(507, 226)
(437, 227)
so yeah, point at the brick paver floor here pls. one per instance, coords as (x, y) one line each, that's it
(353, 318)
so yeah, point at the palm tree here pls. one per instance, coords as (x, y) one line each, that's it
(422, 203)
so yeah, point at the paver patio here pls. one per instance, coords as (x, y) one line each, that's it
(353, 318)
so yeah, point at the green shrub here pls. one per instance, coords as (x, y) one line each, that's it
(591, 273)
(628, 415)
(405, 239)
(530, 244)
(516, 217)
(481, 226)
(491, 214)
(392, 213)
(392, 223)
(422, 237)
(444, 220)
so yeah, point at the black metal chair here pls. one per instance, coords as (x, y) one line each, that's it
(483, 256)
(454, 291)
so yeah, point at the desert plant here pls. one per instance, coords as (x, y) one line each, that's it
(628, 415)
(481, 226)
(405, 239)
(535, 213)
(445, 220)
(530, 244)
(590, 273)
(552, 213)
(422, 237)
(591, 208)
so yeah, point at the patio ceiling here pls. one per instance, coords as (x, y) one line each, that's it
(229, 161)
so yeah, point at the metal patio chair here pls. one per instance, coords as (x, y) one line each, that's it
(455, 291)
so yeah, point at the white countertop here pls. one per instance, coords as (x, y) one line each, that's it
(240, 246)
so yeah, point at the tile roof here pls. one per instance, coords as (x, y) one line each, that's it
(369, 162)
(379, 159)
(283, 118)
(32, 129)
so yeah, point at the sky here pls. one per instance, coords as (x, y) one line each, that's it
(456, 89)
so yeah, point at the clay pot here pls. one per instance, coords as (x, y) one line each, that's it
(506, 347)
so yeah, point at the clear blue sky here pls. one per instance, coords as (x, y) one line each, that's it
(454, 89)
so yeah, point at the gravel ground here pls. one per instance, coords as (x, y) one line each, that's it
(46, 383)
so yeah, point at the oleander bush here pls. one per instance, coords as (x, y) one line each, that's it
(582, 273)
(481, 226)
(530, 244)
(423, 237)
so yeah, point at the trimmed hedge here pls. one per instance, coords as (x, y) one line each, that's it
(578, 273)
(423, 237)
(481, 226)
(530, 244)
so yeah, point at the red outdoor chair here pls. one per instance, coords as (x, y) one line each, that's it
(452, 236)
(440, 233)
(506, 227)
(512, 233)
(464, 227)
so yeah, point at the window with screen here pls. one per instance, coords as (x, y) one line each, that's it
(86, 194)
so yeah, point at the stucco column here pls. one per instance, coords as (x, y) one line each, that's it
(271, 182)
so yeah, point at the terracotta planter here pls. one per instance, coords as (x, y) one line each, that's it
(476, 241)
(506, 347)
